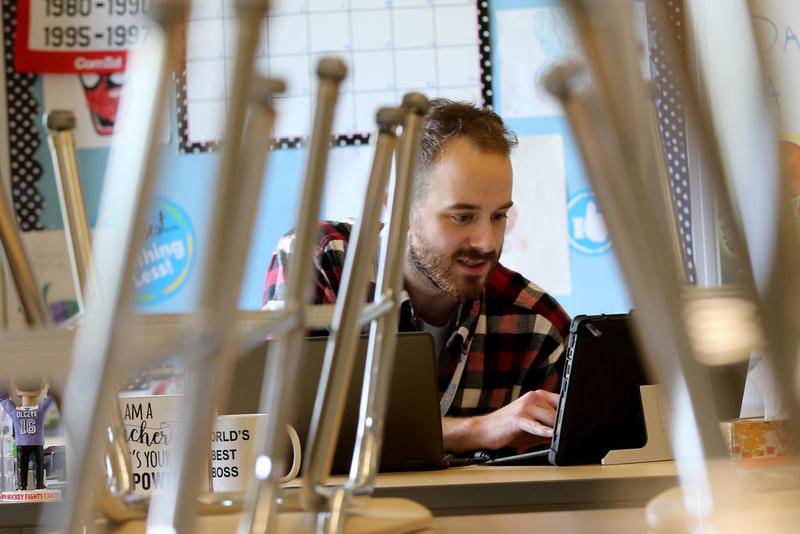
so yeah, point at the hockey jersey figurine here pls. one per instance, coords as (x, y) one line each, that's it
(28, 423)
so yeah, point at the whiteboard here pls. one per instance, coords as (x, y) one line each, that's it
(431, 46)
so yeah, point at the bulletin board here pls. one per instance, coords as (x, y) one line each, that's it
(558, 238)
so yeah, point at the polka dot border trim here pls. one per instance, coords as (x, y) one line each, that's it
(671, 122)
(23, 137)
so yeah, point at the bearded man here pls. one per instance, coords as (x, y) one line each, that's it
(500, 339)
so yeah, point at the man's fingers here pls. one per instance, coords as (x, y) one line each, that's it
(541, 414)
(535, 428)
(548, 397)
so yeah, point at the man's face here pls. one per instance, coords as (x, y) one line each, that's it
(456, 230)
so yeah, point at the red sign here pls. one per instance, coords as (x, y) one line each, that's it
(74, 36)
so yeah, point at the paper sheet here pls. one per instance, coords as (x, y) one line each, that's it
(536, 243)
(346, 183)
(777, 29)
(529, 42)
(47, 252)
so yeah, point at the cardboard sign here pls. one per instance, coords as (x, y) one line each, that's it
(74, 36)
(41, 495)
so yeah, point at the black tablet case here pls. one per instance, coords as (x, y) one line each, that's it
(600, 408)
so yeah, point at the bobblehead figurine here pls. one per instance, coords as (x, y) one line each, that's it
(28, 424)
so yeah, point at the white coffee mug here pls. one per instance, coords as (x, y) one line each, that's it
(150, 423)
(232, 457)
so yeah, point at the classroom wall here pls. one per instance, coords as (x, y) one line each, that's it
(565, 228)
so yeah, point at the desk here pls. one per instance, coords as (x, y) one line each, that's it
(608, 521)
(481, 490)
(475, 490)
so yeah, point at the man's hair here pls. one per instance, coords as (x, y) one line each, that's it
(448, 120)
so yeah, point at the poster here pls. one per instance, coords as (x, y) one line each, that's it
(94, 99)
(73, 36)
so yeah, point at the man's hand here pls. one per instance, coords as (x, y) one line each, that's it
(526, 422)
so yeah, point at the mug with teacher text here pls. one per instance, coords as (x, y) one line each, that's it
(150, 423)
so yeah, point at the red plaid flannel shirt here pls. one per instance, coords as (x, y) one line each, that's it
(515, 332)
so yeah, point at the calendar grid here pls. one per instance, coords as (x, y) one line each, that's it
(438, 47)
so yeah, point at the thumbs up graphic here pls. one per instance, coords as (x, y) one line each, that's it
(587, 228)
(593, 225)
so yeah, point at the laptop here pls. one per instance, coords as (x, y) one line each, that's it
(413, 426)
(600, 407)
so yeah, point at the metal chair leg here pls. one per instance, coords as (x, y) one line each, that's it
(33, 306)
(641, 240)
(207, 369)
(284, 352)
(61, 124)
(101, 338)
(382, 338)
(340, 351)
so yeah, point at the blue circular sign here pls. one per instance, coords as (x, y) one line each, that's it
(587, 229)
(167, 255)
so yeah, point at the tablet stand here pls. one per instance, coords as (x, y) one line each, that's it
(657, 447)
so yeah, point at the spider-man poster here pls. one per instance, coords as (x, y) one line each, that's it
(94, 98)
(102, 97)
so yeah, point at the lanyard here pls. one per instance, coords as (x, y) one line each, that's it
(452, 387)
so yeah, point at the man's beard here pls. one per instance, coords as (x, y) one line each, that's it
(440, 269)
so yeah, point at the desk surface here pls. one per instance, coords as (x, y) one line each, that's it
(477, 489)
(608, 521)
(477, 474)
(496, 489)
(492, 490)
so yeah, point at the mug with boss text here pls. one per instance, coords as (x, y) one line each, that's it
(232, 455)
